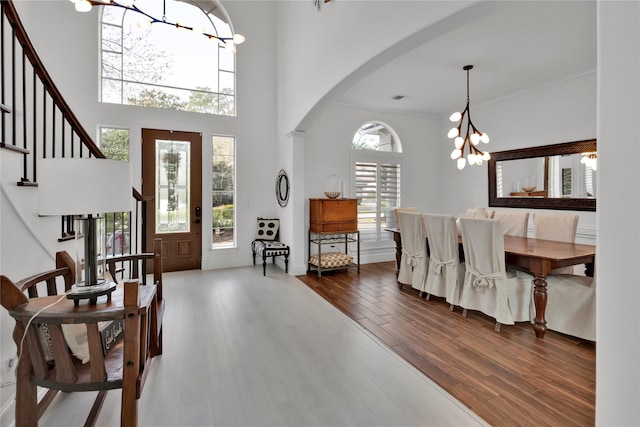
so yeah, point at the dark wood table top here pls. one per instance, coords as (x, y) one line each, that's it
(547, 249)
(65, 311)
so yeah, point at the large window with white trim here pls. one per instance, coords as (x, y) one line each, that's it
(165, 67)
(376, 165)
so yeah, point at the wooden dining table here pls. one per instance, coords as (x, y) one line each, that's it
(538, 257)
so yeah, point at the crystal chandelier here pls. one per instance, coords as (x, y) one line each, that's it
(472, 137)
(147, 20)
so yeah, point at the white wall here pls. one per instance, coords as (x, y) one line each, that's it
(327, 151)
(560, 112)
(618, 290)
(320, 49)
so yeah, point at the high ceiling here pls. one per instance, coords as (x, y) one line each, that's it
(527, 45)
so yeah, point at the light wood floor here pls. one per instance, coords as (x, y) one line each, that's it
(509, 378)
(241, 349)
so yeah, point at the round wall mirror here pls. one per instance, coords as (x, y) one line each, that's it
(282, 188)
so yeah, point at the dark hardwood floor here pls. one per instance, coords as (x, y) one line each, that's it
(509, 378)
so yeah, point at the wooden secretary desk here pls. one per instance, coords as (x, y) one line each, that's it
(333, 222)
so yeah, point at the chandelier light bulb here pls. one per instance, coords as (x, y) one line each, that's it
(239, 38)
(455, 154)
(453, 132)
(83, 6)
(459, 142)
(484, 138)
(461, 163)
(144, 24)
(471, 158)
(455, 116)
(229, 44)
(475, 138)
(486, 156)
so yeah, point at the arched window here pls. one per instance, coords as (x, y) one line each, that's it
(166, 67)
(376, 163)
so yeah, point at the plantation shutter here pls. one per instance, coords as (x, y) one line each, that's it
(377, 187)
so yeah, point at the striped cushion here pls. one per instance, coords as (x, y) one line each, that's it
(332, 260)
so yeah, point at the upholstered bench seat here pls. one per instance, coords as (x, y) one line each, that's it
(269, 248)
(331, 260)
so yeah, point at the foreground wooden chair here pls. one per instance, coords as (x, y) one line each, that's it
(45, 359)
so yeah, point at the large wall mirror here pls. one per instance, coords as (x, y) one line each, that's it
(558, 176)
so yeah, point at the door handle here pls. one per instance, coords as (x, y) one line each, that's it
(198, 211)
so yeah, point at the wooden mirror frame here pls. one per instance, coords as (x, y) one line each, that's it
(574, 204)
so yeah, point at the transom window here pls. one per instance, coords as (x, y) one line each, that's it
(376, 169)
(165, 67)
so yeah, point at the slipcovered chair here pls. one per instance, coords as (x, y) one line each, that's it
(267, 243)
(571, 305)
(445, 274)
(514, 223)
(395, 214)
(488, 286)
(414, 262)
(556, 226)
(479, 213)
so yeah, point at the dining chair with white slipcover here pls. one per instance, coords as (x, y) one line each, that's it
(395, 213)
(445, 273)
(556, 226)
(479, 213)
(414, 261)
(514, 223)
(488, 286)
(571, 305)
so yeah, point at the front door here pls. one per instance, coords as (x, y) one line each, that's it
(172, 184)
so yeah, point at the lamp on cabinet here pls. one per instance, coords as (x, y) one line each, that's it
(85, 188)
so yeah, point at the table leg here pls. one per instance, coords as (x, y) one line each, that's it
(540, 300)
(398, 240)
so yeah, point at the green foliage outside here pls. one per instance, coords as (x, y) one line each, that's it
(201, 100)
(156, 98)
(222, 216)
(114, 143)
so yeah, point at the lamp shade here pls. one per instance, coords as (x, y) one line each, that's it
(83, 186)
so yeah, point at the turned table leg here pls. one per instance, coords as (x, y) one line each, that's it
(540, 300)
(398, 240)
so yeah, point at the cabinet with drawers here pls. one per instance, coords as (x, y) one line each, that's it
(333, 215)
(333, 222)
